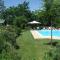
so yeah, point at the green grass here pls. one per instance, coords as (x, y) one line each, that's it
(31, 49)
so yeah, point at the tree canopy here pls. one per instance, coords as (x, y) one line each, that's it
(2, 8)
(50, 11)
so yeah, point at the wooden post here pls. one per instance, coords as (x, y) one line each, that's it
(51, 32)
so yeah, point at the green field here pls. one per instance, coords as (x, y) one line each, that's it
(31, 49)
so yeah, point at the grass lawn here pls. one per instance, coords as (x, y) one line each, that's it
(31, 49)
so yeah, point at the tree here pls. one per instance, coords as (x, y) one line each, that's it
(51, 12)
(21, 10)
(40, 14)
(9, 15)
(56, 11)
(48, 13)
(20, 21)
(2, 7)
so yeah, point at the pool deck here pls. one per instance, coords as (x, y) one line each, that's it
(37, 35)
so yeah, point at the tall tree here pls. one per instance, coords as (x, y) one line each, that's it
(48, 13)
(52, 12)
(24, 10)
(56, 11)
(1, 7)
(20, 10)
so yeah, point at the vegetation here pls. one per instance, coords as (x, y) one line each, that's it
(31, 49)
(2, 7)
(49, 12)
(8, 44)
(21, 13)
(53, 54)
(18, 44)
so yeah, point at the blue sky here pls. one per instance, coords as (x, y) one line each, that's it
(33, 4)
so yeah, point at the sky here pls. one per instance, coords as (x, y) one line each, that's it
(33, 4)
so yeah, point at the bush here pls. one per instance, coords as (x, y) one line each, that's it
(20, 22)
(9, 34)
(53, 54)
(13, 29)
(2, 42)
(9, 53)
(8, 43)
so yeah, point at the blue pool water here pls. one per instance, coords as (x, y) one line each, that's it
(48, 32)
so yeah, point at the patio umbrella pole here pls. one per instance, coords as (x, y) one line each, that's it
(51, 32)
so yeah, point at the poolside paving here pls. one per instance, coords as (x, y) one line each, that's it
(37, 35)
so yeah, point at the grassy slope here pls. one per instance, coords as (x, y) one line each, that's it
(31, 49)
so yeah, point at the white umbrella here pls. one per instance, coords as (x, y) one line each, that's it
(34, 22)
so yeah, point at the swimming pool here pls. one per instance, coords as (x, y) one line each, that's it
(48, 32)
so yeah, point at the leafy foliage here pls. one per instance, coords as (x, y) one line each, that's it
(50, 11)
(9, 34)
(53, 54)
(21, 12)
(8, 44)
(20, 21)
